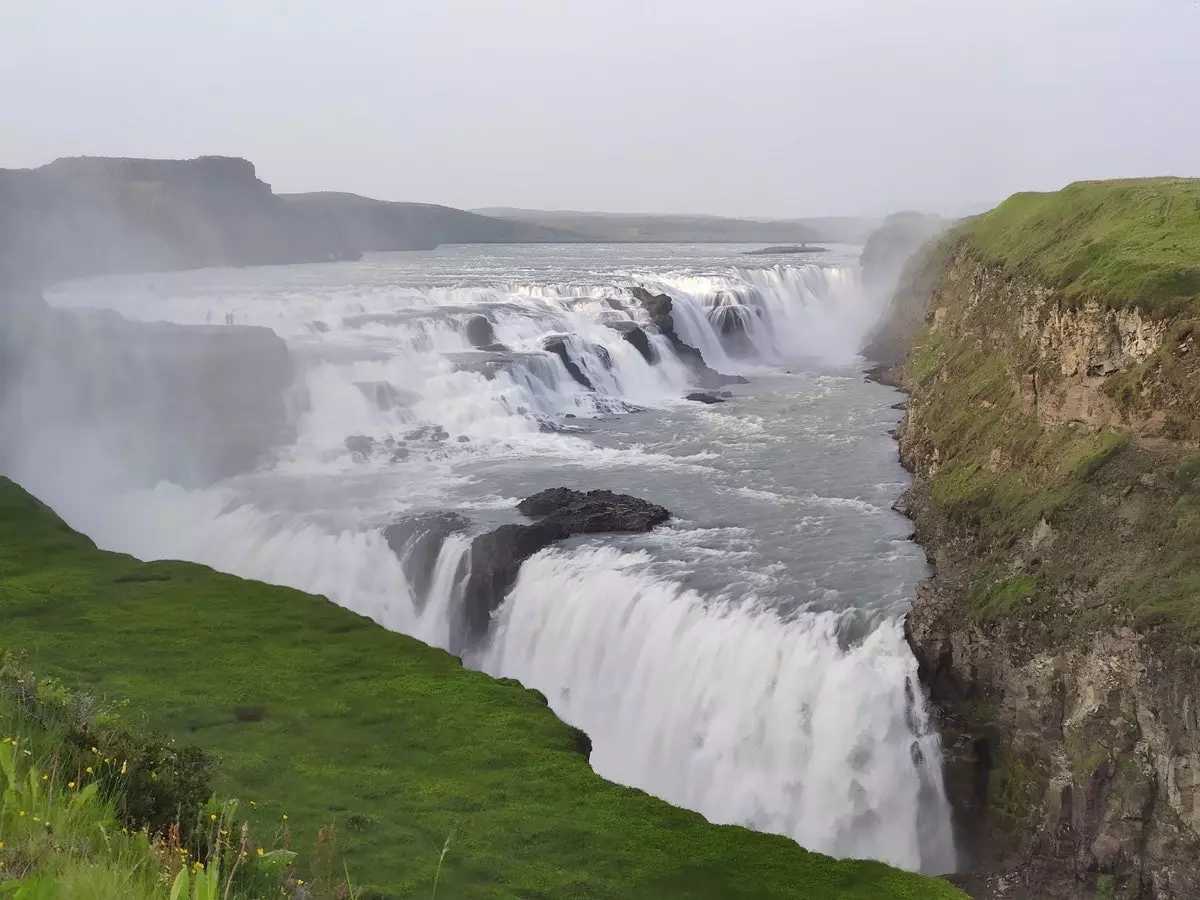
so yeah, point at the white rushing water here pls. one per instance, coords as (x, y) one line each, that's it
(745, 661)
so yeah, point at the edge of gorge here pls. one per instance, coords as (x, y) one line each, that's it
(1052, 425)
(365, 725)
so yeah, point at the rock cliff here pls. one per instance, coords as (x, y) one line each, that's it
(1052, 428)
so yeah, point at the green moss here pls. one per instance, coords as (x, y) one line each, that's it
(373, 728)
(1015, 790)
(1120, 242)
(995, 599)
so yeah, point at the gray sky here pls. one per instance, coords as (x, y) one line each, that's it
(756, 107)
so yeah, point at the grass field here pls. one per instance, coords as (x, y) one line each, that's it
(1128, 242)
(315, 714)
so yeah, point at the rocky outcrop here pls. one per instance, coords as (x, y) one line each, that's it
(558, 346)
(479, 331)
(494, 561)
(1056, 499)
(594, 511)
(658, 307)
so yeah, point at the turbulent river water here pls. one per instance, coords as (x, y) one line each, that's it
(746, 660)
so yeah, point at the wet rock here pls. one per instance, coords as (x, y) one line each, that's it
(658, 307)
(360, 446)
(491, 568)
(417, 540)
(495, 348)
(318, 326)
(634, 334)
(399, 454)
(594, 511)
(704, 397)
(558, 346)
(479, 332)
(463, 439)
(725, 394)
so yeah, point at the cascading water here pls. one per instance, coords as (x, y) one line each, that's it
(744, 661)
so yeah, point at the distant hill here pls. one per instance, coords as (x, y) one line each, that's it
(82, 216)
(640, 228)
(372, 225)
(91, 215)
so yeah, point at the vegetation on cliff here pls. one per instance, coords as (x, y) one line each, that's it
(318, 714)
(1052, 426)
(1123, 243)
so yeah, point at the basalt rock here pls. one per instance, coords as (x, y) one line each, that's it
(594, 511)
(703, 397)
(636, 336)
(658, 307)
(558, 346)
(491, 568)
(479, 331)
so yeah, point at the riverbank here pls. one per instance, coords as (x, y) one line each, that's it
(1051, 427)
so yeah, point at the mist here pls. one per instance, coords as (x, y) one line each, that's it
(764, 108)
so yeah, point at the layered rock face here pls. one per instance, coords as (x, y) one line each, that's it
(1052, 436)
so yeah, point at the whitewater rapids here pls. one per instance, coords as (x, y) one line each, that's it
(745, 661)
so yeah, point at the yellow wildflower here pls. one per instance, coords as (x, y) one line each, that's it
(285, 816)
(89, 770)
(21, 814)
(213, 817)
(71, 785)
(260, 851)
(94, 750)
(45, 778)
(123, 766)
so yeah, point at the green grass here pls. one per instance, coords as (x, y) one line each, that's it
(1131, 242)
(393, 739)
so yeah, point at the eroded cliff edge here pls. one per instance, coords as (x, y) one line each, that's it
(1052, 429)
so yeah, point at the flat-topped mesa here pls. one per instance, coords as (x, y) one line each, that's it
(1053, 421)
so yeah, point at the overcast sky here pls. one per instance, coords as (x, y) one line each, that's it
(754, 107)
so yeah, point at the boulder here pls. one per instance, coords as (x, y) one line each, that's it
(703, 397)
(491, 571)
(594, 511)
(360, 446)
(491, 568)
(479, 332)
(417, 540)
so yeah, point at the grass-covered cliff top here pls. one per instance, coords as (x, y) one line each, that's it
(1128, 242)
(317, 714)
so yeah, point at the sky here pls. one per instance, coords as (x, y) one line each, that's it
(768, 108)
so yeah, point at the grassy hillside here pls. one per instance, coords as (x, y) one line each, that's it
(317, 714)
(1122, 243)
